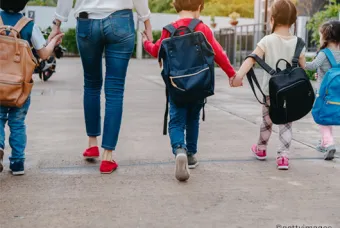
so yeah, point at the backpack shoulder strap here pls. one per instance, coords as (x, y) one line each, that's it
(299, 47)
(330, 58)
(165, 121)
(22, 23)
(262, 63)
(193, 24)
(170, 28)
(252, 77)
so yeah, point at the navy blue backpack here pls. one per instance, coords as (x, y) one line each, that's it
(326, 110)
(188, 66)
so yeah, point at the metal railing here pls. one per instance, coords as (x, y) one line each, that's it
(239, 41)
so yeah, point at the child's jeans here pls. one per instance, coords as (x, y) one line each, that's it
(285, 133)
(327, 135)
(16, 122)
(183, 119)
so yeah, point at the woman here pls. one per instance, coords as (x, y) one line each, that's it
(104, 25)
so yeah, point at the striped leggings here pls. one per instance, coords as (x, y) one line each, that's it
(285, 133)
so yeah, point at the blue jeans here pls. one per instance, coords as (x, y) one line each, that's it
(184, 118)
(116, 36)
(16, 122)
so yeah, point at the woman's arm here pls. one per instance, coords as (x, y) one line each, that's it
(64, 8)
(144, 13)
(61, 15)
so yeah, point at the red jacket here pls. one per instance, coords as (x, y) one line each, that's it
(220, 56)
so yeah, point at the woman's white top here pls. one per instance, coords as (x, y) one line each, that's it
(100, 9)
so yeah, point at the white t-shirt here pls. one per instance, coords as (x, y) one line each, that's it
(277, 47)
(38, 40)
(99, 9)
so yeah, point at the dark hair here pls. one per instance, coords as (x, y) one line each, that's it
(330, 32)
(189, 5)
(13, 6)
(283, 12)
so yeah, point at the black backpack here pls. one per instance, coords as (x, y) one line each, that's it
(290, 91)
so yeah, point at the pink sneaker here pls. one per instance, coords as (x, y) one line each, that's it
(259, 154)
(282, 163)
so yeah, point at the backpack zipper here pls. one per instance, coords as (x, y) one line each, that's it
(174, 85)
(333, 102)
(190, 75)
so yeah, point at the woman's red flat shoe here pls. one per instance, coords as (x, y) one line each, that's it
(107, 167)
(92, 152)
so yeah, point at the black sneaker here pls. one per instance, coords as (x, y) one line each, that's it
(17, 168)
(1, 159)
(192, 162)
(182, 171)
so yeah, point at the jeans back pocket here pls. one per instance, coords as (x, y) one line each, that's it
(84, 28)
(122, 25)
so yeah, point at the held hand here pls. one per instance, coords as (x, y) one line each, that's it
(144, 37)
(56, 40)
(237, 82)
(55, 31)
(231, 81)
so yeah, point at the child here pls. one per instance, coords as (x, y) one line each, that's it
(16, 116)
(279, 45)
(329, 38)
(187, 118)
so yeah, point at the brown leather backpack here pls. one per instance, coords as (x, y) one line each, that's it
(17, 64)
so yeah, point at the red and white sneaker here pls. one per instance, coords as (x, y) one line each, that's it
(92, 152)
(259, 154)
(282, 162)
(107, 167)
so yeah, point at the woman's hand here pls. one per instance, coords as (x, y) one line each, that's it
(148, 30)
(144, 37)
(55, 31)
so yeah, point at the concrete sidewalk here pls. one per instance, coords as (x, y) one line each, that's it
(229, 188)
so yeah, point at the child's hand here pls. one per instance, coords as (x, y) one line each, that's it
(316, 75)
(237, 82)
(57, 39)
(231, 80)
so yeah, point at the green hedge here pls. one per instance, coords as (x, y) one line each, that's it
(70, 42)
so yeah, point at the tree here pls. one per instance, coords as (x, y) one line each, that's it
(331, 11)
(43, 2)
(211, 7)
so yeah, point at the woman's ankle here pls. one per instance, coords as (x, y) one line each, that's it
(93, 142)
(107, 155)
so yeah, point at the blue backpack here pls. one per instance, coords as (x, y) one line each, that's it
(326, 110)
(188, 66)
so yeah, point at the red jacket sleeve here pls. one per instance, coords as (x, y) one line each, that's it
(153, 48)
(221, 57)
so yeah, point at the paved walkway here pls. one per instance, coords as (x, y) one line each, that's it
(229, 188)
